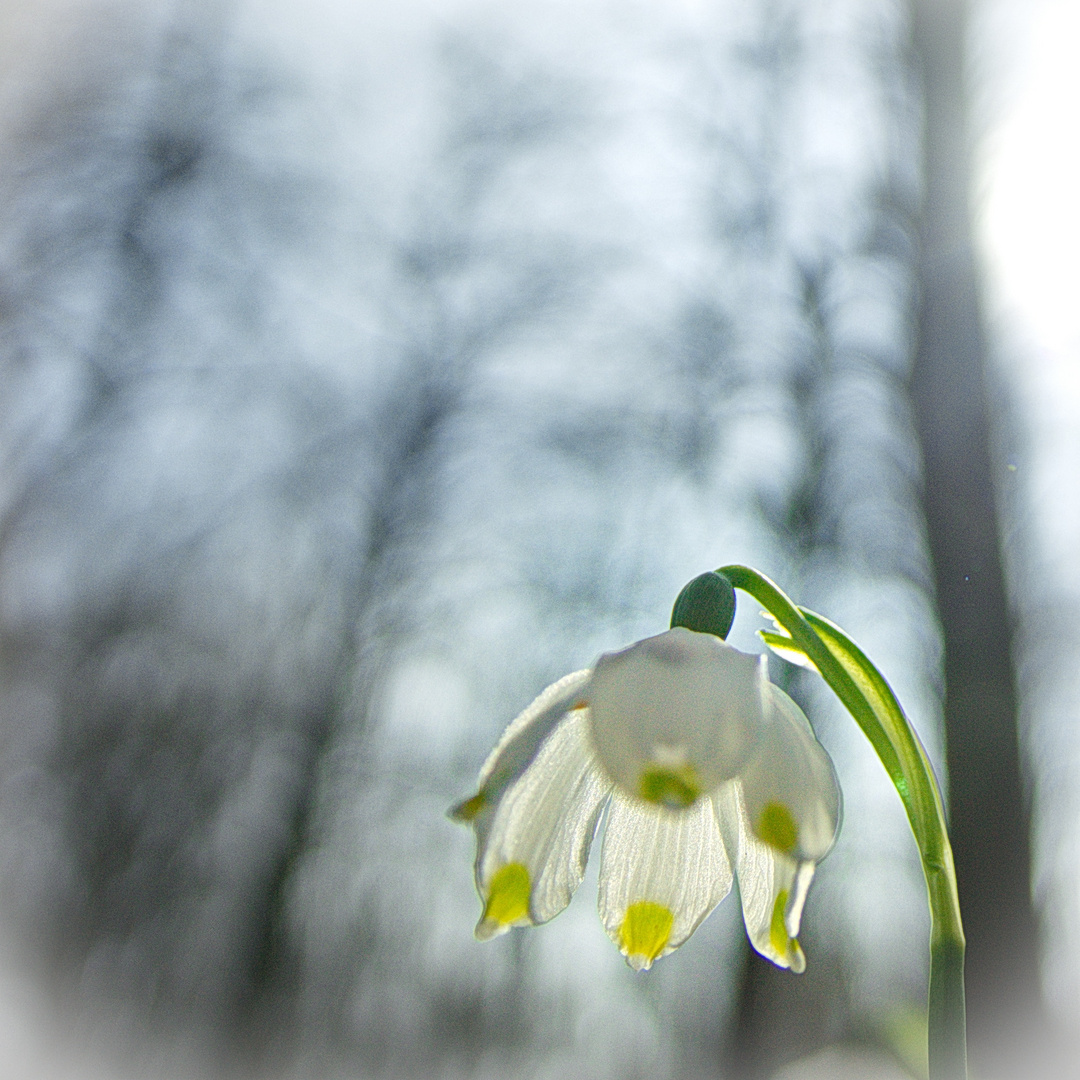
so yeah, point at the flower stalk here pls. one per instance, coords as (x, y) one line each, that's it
(813, 641)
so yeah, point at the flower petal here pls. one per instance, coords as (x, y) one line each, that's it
(772, 885)
(519, 745)
(791, 793)
(661, 872)
(533, 846)
(676, 715)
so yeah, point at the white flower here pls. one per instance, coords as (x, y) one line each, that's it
(704, 766)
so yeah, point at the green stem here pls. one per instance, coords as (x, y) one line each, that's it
(870, 700)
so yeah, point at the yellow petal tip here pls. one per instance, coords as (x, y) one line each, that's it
(507, 901)
(787, 950)
(468, 809)
(644, 933)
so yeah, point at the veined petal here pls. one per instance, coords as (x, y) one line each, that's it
(790, 790)
(772, 886)
(661, 872)
(676, 715)
(533, 846)
(520, 744)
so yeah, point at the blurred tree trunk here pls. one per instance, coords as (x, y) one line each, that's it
(989, 815)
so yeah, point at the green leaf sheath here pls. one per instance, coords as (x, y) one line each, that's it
(870, 700)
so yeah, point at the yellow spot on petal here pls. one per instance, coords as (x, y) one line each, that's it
(580, 704)
(777, 827)
(778, 935)
(645, 931)
(467, 809)
(673, 786)
(787, 948)
(508, 895)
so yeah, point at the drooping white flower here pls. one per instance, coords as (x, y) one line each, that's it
(708, 771)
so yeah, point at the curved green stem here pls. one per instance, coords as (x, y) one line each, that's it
(870, 700)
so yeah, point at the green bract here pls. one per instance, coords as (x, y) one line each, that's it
(706, 604)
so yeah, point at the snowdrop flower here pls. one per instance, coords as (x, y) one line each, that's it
(707, 770)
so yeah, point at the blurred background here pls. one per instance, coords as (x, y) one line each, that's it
(365, 368)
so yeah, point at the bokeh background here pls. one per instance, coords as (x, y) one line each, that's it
(365, 368)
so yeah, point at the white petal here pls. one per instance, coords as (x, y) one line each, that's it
(661, 872)
(519, 745)
(772, 886)
(683, 702)
(791, 794)
(542, 828)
